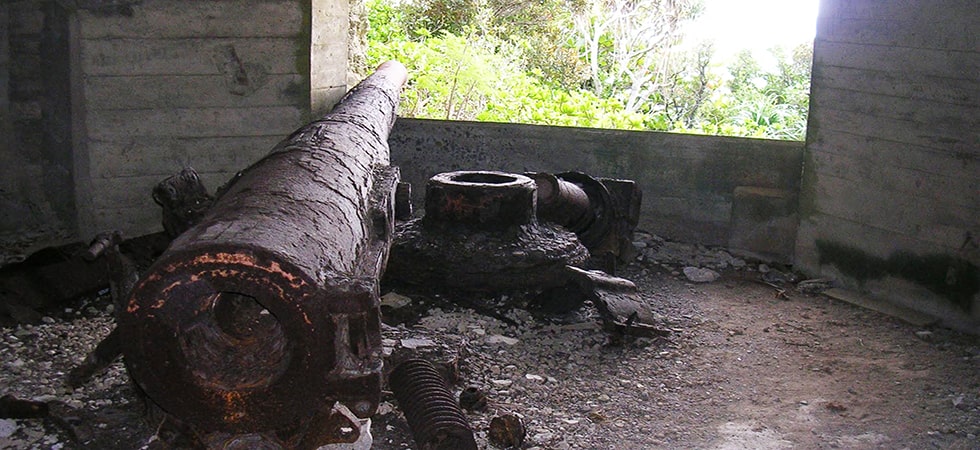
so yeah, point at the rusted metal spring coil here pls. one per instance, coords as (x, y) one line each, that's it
(432, 413)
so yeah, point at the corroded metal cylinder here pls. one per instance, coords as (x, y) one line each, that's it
(436, 421)
(480, 199)
(480, 233)
(563, 202)
(266, 312)
(580, 203)
(603, 212)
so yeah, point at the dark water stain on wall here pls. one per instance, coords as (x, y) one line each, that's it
(954, 279)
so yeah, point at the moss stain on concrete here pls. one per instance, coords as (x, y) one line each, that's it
(302, 57)
(954, 279)
(808, 182)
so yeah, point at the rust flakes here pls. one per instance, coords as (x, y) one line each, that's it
(166, 291)
(234, 406)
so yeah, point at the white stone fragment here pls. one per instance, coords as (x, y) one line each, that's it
(7, 428)
(501, 339)
(417, 342)
(699, 275)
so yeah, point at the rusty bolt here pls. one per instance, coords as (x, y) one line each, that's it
(473, 399)
(507, 431)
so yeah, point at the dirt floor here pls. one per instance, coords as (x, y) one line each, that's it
(742, 368)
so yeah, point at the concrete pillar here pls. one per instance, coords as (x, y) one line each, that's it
(329, 29)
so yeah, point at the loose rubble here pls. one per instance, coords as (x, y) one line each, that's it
(699, 275)
(739, 367)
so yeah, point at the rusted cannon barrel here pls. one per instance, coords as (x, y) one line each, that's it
(266, 312)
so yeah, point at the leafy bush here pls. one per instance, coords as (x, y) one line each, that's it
(473, 63)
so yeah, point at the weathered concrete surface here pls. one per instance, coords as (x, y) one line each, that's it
(207, 84)
(330, 31)
(36, 206)
(764, 222)
(687, 181)
(161, 85)
(890, 202)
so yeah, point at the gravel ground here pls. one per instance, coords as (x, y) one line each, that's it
(743, 368)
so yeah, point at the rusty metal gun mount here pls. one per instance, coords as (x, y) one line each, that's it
(602, 212)
(261, 319)
(480, 234)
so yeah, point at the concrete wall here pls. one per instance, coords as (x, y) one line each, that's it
(328, 54)
(101, 99)
(34, 182)
(167, 84)
(688, 182)
(891, 195)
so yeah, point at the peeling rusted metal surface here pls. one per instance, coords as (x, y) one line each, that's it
(619, 303)
(507, 431)
(184, 200)
(563, 202)
(473, 399)
(480, 234)
(266, 312)
(479, 200)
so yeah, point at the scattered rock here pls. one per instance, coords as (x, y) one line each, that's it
(925, 335)
(473, 399)
(958, 402)
(501, 339)
(395, 300)
(576, 390)
(814, 286)
(596, 416)
(835, 407)
(700, 275)
(777, 277)
(414, 343)
(7, 427)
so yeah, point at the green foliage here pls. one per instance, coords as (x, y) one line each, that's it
(540, 104)
(518, 61)
(759, 103)
(439, 16)
(447, 79)
(386, 23)
(453, 78)
(627, 44)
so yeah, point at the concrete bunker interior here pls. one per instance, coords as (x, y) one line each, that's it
(882, 197)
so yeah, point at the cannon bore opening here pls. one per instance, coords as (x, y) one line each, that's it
(236, 343)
